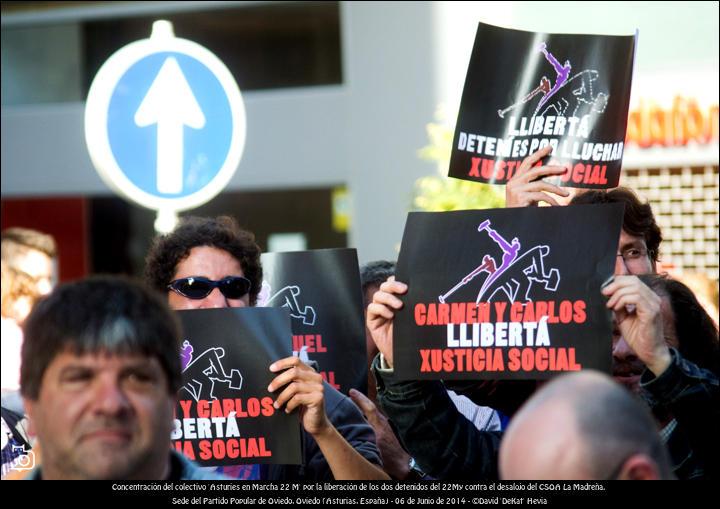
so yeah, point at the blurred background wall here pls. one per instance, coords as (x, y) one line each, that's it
(338, 96)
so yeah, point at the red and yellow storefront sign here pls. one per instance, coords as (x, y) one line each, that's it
(684, 122)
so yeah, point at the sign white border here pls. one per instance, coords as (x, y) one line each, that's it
(98, 103)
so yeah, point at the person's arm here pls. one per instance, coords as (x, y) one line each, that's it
(684, 387)
(692, 395)
(396, 461)
(344, 461)
(443, 442)
(304, 390)
(526, 187)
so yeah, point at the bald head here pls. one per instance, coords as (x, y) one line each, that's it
(583, 426)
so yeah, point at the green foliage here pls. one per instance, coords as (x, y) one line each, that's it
(441, 193)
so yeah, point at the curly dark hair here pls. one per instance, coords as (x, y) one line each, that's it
(638, 220)
(222, 232)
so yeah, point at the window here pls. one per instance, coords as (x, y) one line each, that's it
(265, 46)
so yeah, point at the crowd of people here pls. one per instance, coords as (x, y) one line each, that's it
(99, 371)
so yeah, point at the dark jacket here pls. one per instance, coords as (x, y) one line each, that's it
(691, 395)
(447, 446)
(443, 442)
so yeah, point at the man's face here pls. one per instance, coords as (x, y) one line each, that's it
(212, 263)
(101, 416)
(632, 256)
(635, 260)
(626, 366)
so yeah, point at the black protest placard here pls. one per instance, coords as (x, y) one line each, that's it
(505, 293)
(525, 90)
(321, 289)
(225, 414)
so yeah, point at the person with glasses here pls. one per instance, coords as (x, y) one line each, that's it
(638, 247)
(583, 426)
(32, 253)
(635, 367)
(473, 453)
(213, 263)
(640, 237)
(29, 271)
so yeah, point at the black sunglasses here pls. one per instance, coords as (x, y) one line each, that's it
(196, 287)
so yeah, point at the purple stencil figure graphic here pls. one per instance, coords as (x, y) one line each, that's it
(487, 265)
(563, 73)
(510, 253)
(543, 87)
(186, 354)
(508, 278)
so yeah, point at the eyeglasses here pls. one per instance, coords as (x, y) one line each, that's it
(633, 254)
(232, 287)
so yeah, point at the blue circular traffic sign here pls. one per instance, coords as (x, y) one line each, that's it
(165, 122)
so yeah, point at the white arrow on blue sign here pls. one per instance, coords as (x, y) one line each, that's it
(165, 122)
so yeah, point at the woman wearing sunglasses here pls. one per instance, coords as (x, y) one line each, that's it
(213, 263)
